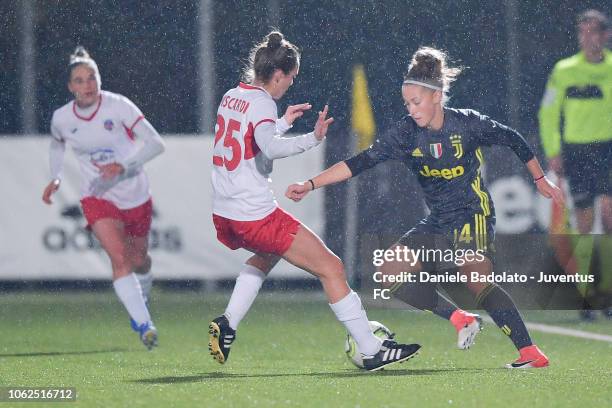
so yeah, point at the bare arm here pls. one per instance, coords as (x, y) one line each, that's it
(381, 150)
(335, 174)
(545, 187)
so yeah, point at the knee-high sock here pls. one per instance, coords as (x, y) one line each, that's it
(424, 296)
(444, 307)
(605, 263)
(504, 313)
(245, 291)
(350, 312)
(129, 292)
(583, 252)
(146, 283)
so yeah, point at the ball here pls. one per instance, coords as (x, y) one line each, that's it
(350, 346)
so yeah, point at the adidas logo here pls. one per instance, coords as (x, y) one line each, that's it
(417, 153)
(392, 354)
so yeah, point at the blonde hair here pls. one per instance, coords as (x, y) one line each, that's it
(80, 56)
(428, 67)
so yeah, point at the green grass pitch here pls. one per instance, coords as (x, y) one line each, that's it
(289, 352)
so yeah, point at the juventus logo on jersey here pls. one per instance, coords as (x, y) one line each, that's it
(456, 143)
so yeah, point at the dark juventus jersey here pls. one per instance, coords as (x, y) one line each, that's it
(447, 162)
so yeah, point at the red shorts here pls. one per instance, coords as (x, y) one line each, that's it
(137, 220)
(273, 234)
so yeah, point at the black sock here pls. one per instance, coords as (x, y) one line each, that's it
(445, 307)
(504, 313)
(424, 296)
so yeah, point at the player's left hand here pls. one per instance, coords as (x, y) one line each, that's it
(110, 171)
(549, 190)
(322, 124)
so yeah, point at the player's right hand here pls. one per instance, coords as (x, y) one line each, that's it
(297, 191)
(556, 164)
(51, 188)
(295, 111)
(109, 171)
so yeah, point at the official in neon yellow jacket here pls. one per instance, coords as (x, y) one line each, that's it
(576, 131)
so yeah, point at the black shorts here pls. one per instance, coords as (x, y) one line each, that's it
(467, 232)
(588, 170)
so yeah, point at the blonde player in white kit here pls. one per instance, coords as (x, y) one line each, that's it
(102, 128)
(246, 215)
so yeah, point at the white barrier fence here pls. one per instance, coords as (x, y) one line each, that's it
(38, 242)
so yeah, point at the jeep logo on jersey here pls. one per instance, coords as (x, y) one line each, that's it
(456, 143)
(108, 124)
(436, 150)
(444, 173)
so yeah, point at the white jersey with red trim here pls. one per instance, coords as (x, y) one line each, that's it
(103, 136)
(247, 139)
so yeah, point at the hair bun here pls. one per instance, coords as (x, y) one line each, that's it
(275, 39)
(427, 56)
(428, 63)
(79, 53)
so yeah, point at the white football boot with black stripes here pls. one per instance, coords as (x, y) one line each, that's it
(221, 337)
(390, 353)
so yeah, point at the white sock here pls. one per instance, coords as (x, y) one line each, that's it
(350, 312)
(146, 283)
(245, 291)
(129, 292)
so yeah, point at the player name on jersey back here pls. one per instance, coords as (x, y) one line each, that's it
(235, 104)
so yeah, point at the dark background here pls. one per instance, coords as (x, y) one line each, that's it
(148, 51)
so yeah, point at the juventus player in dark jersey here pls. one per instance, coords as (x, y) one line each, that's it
(442, 147)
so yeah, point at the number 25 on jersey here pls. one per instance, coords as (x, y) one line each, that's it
(232, 136)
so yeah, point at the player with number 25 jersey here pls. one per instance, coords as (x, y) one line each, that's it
(248, 136)
(247, 125)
